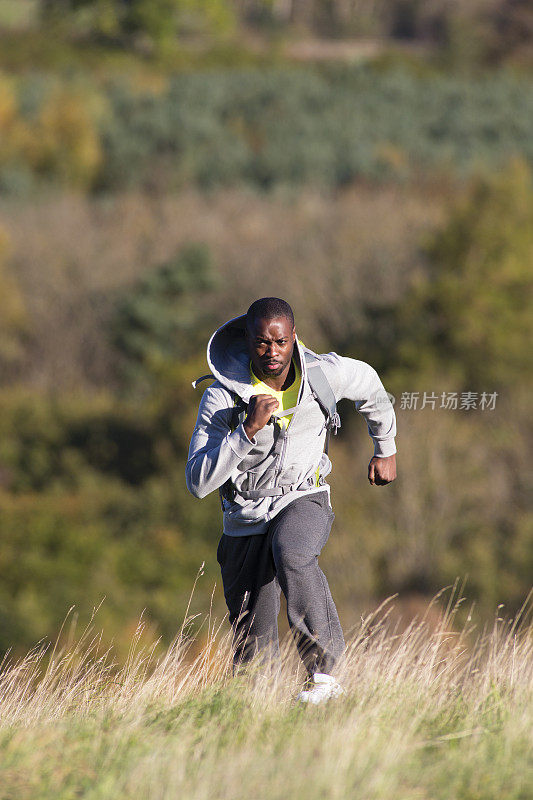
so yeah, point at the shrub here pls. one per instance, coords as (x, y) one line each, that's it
(164, 317)
(472, 313)
(265, 129)
(48, 130)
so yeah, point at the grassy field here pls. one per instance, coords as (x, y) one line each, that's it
(429, 712)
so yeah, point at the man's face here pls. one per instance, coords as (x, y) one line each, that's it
(270, 345)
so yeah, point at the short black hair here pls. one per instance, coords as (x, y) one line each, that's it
(269, 308)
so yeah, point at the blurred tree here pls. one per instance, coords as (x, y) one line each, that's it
(472, 313)
(512, 23)
(14, 321)
(161, 22)
(165, 316)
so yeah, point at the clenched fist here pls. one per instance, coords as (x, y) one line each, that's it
(260, 409)
(382, 470)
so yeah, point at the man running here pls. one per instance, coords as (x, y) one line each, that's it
(259, 439)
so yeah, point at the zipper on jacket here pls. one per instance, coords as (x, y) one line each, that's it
(298, 401)
(281, 455)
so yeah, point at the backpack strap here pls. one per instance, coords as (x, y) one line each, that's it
(240, 409)
(323, 394)
(195, 383)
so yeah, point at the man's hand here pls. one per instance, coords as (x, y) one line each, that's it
(382, 470)
(260, 409)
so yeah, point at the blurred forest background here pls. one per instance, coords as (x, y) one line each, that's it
(165, 162)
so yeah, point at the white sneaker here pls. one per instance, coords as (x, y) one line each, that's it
(322, 687)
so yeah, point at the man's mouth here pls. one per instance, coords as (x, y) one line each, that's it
(271, 365)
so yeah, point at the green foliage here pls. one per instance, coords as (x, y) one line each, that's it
(48, 133)
(264, 129)
(289, 127)
(93, 504)
(165, 316)
(465, 325)
(161, 22)
(79, 547)
(14, 321)
(50, 446)
(472, 313)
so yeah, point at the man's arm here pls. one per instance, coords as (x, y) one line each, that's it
(360, 383)
(214, 452)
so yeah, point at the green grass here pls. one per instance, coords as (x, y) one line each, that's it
(425, 715)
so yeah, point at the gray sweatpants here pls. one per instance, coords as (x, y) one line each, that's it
(254, 570)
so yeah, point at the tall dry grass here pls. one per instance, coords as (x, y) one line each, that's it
(427, 713)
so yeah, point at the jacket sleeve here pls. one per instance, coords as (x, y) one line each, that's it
(214, 452)
(358, 381)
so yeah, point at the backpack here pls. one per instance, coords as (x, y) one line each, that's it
(321, 391)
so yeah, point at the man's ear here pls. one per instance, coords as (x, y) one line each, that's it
(294, 334)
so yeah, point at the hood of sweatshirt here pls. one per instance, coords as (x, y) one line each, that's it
(229, 360)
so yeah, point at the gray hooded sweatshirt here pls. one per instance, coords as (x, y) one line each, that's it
(282, 459)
